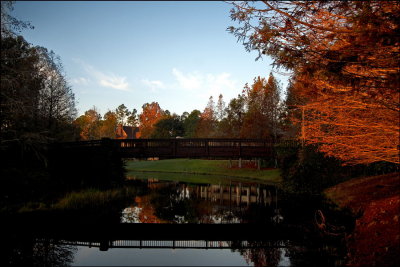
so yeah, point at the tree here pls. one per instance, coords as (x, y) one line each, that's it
(190, 123)
(122, 113)
(344, 56)
(170, 126)
(206, 126)
(89, 124)
(9, 24)
(184, 115)
(255, 121)
(220, 108)
(20, 86)
(151, 114)
(291, 112)
(109, 125)
(272, 106)
(56, 100)
(132, 119)
(234, 118)
(36, 100)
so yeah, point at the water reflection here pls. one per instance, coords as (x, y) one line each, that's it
(176, 223)
(177, 202)
(45, 252)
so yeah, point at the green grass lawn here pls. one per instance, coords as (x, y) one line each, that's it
(199, 171)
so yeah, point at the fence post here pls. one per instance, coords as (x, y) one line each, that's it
(207, 148)
(240, 154)
(174, 146)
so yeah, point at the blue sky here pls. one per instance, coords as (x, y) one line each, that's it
(175, 53)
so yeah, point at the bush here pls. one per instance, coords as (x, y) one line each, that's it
(305, 170)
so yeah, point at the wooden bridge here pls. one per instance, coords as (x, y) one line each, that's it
(183, 148)
(104, 245)
(125, 235)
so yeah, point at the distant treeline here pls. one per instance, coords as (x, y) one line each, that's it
(258, 112)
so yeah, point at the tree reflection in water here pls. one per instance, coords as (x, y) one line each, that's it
(264, 253)
(175, 202)
(43, 253)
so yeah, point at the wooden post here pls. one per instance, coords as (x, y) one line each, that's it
(221, 194)
(248, 195)
(240, 193)
(207, 149)
(174, 145)
(230, 195)
(303, 132)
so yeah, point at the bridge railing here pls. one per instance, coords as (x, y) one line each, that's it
(194, 142)
(194, 244)
(193, 147)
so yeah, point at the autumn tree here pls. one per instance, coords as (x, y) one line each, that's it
(344, 56)
(255, 121)
(89, 124)
(235, 113)
(108, 125)
(206, 126)
(151, 114)
(272, 106)
(291, 112)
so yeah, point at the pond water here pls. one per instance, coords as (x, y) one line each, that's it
(172, 223)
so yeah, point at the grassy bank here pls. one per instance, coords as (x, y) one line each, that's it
(199, 171)
(376, 202)
(91, 198)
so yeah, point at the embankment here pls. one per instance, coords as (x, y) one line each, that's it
(376, 203)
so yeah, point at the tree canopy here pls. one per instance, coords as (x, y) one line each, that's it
(344, 56)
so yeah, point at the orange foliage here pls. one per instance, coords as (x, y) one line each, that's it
(147, 211)
(350, 128)
(150, 115)
(345, 57)
(206, 126)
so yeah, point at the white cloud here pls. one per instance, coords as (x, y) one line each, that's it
(208, 84)
(106, 80)
(189, 81)
(115, 82)
(153, 85)
(80, 81)
(220, 83)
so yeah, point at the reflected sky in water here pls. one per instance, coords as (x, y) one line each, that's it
(157, 257)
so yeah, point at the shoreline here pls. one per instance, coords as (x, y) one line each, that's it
(375, 201)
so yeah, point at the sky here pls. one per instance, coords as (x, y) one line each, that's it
(175, 53)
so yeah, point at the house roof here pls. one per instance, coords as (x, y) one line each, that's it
(130, 131)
